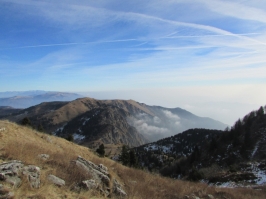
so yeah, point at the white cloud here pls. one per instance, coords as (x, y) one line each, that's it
(148, 130)
(236, 9)
(174, 117)
(156, 120)
(170, 115)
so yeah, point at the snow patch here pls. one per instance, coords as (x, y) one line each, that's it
(59, 129)
(85, 120)
(255, 149)
(78, 137)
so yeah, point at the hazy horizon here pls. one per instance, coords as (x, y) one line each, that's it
(205, 56)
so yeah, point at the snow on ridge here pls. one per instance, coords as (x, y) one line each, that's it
(78, 137)
(255, 149)
(59, 129)
(85, 120)
(153, 147)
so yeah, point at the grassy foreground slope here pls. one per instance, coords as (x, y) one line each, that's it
(22, 143)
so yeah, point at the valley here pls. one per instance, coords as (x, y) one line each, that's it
(207, 151)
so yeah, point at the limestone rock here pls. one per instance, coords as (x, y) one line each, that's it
(33, 175)
(100, 178)
(9, 172)
(98, 174)
(89, 184)
(57, 181)
(44, 156)
(117, 189)
(209, 196)
(5, 193)
(14, 181)
(103, 168)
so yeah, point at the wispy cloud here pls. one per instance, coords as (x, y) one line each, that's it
(72, 44)
(115, 45)
(237, 9)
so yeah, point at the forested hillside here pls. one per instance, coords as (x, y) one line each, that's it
(236, 154)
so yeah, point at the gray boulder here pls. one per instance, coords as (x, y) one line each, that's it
(100, 178)
(57, 181)
(33, 175)
(98, 174)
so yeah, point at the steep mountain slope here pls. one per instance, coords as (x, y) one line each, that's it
(102, 125)
(34, 98)
(51, 155)
(151, 122)
(236, 155)
(7, 110)
(156, 155)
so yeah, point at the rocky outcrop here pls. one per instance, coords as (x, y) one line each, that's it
(12, 172)
(101, 179)
(97, 173)
(117, 189)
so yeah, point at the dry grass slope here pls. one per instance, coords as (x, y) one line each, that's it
(22, 143)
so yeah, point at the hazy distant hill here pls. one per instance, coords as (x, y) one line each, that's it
(31, 98)
(93, 121)
(8, 94)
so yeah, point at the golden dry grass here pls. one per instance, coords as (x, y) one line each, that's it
(23, 143)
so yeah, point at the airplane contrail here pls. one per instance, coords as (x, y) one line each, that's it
(70, 44)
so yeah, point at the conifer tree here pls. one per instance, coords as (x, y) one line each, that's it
(70, 138)
(132, 159)
(101, 150)
(124, 156)
(40, 128)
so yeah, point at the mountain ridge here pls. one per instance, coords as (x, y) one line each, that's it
(30, 98)
(151, 122)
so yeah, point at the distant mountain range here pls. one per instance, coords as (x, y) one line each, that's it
(92, 121)
(26, 99)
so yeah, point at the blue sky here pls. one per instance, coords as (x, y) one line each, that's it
(206, 56)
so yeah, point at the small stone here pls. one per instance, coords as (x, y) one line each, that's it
(44, 156)
(209, 196)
